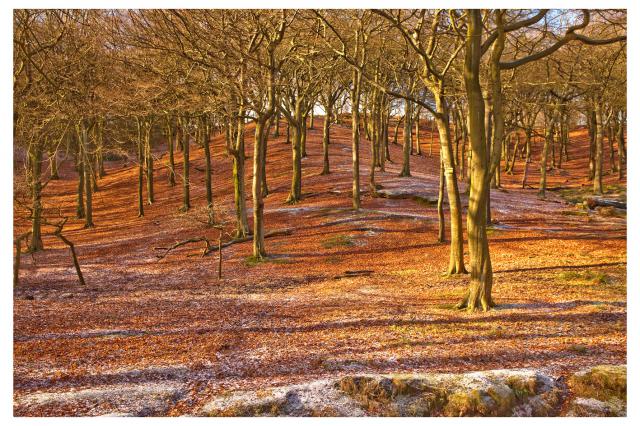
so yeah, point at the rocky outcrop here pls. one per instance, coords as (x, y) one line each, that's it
(489, 393)
(597, 391)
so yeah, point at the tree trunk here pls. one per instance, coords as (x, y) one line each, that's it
(548, 140)
(206, 140)
(170, 139)
(35, 154)
(265, 136)
(441, 236)
(140, 168)
(53, 163)
(296, 154)
(259, 251)
(406, 142)
(355, 138)
(599, 131)
(239, 195)
(186, 199)
(84, 142)
(479, 294)
(149, 160)
(621, 155)
(456, 258)
(325, 142)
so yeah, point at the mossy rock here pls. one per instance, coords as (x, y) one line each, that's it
(602, 382)
(591, 407)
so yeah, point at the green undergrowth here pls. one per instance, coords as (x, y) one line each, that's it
(338, 241)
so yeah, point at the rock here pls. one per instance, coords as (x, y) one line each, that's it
(591, 407)
(489, 393)
(599, 391)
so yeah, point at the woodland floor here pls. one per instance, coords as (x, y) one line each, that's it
(143, 326)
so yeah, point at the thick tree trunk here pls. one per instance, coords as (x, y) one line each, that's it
(479, 294)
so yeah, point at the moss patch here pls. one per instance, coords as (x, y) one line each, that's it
(602, 382)
(338, 241)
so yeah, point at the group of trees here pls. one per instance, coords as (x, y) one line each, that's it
(487, 82)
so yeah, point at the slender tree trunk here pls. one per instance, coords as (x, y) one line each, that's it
(276, 130)
(418, 151)
(170, 139)
(433, 122)
(456, 258)
(548, 140)
(84, 141)
(206, 140)
(612, 160)
(239, 195)
(620, 139)
(35, 154)
(80, 167)
(406, 143)
(303, 141)
(186, 199)
(149, 160)
(355, 138)
(441, 236)
(53, 163)
(593, 126)
(296, 156)
(395, 133)
(259, 251)
(140, 146)
(599, 131)
(325, 142)
(265, 136)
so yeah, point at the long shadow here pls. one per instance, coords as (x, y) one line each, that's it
(552, 268)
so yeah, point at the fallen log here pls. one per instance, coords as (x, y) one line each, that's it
(594, 202)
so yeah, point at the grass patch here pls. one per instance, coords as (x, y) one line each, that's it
(338, 241)
(579, 349)
(333, 260)
(591, 277)
(575, 212)
(252, 261)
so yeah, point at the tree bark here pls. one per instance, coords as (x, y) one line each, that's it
(35, 154)
(479, 294)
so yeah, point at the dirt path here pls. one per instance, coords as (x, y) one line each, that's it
(160, 337)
